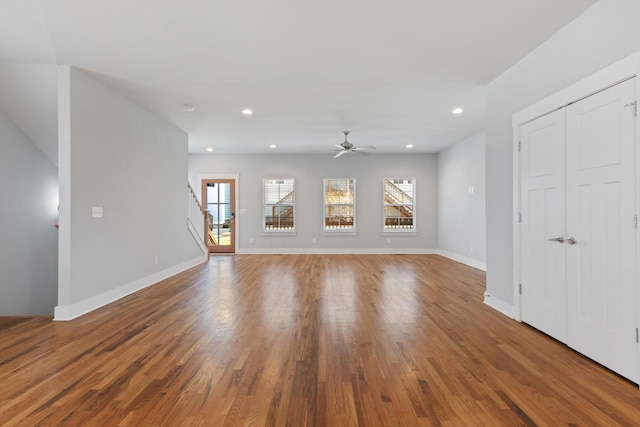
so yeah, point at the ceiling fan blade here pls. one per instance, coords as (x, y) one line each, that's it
(363, 153)
(338, 146)
(365, 147)
(340, 154)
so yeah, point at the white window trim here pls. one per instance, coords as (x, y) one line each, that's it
(404, 232)
(277, 232)
(339, 231)
(413, 231)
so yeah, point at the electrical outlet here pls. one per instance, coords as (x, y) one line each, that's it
(252, 241)
(388, 240)
(314, 241)
(155, 260)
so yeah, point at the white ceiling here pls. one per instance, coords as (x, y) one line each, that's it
(389, 71)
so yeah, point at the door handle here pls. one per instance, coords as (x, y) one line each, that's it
(571, 241)
(557, 239)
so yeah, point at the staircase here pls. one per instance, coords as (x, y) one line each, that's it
(281, 215)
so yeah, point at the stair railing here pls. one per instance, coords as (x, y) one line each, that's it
(196, 218)
(281, 214)
(398, 196)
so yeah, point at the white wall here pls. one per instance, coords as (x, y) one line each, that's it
(461, 201)
(309, 171)
(28, 238)
(605, 33)
(29, 97)
(116, 155)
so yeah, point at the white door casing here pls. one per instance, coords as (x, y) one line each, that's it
(607, 193)
(578, 228)
(542, 201)
(601, 264)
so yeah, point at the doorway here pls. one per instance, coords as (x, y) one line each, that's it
(218, 197)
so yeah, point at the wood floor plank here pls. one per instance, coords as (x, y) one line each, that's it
(303, 340)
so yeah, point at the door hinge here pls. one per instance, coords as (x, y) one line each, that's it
(520, 288)
(635, 221)
(519, 217)
(637, 335)
(633, 104)
(519, 146)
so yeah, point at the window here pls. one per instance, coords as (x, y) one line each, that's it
(399, 204)
(279, 208)
(339, 204)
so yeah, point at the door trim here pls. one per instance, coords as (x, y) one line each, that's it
(235, 177)
(615, 73)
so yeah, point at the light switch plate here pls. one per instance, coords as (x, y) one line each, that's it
(96, 212)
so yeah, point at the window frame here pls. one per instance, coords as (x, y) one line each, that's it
(413, 228)
(277, 231)
(338, 231)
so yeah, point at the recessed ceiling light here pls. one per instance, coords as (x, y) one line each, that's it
(247, 111)
(272, 146)
(409, 145)
(457, 110)
(189, 107)
(209, 149)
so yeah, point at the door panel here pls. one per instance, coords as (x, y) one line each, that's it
(218, 196)
(601, 268)
(542, 203)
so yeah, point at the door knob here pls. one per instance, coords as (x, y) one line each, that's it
(571, 241)
(557, 239)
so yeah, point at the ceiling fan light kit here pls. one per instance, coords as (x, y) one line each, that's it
(347, 147)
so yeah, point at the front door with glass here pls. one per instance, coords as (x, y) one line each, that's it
(218, 196)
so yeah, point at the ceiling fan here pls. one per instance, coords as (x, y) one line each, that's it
(347, 147)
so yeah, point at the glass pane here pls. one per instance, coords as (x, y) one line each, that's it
(398, 191)
(278, 191)
(339, 191)
(212, 193)
(219, 214)
(338, 217)
(225, 192)
(278, 217)
(398, 217)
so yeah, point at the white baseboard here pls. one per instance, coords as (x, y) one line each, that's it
(336, 251)
(499, 305)
(70, 312)
(463, 259)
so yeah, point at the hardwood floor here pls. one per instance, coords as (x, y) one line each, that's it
(303, 340)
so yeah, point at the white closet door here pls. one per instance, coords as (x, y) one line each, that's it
(542, 201)
(601, 267)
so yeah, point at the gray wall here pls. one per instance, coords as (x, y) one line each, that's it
(28, 238)
(309, 171)
(119, 156)
(461, 198)
(602, 35)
